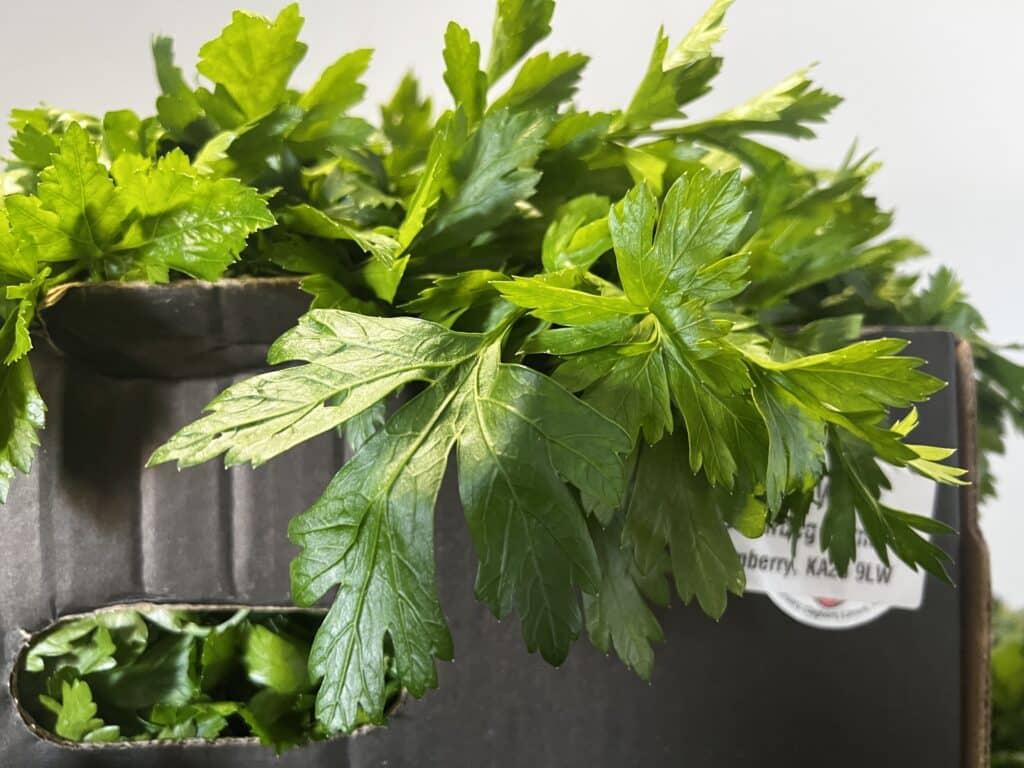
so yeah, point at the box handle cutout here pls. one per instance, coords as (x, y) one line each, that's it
(144, 674)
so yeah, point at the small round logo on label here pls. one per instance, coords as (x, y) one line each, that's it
(825, 613)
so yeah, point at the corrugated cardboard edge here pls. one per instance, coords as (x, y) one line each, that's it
(54, 295)
(976, 576)
(179, 330)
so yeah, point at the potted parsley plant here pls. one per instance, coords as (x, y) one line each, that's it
(577, 309)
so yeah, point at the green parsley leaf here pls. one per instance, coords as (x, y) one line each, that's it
(188, 223)
(436, 173)
(277, 720)
(162, 673)
(329, 293)
(124, 131)
(621, 370)
(450, 297)
(204, 720)
(22, 415)
(787, 108)
(493, 174)
(82, 644)
(674, 509)
(467, 84)
(700, 218)
(405, 121)
(177, 105)
(672, 349)
(338, 88)
(554, 297)
(855, 484)
(518, 26)
(76, 712)
(677, 77)
(14, 335)
(307, 220)
(544, 81)
(523, 435)
(218, 657)
(796, 442)
(852, 386)
(618, 615)
(700, 41)
(276, 661)
(16, 263)
(359, 360)
(77, 212)
(520, 437)
(254, 58)
(372, 534)
(578, 236)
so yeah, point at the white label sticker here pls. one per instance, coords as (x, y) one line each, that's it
(824, 613)
(806, 585)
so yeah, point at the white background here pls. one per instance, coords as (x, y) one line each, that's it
(936, 85)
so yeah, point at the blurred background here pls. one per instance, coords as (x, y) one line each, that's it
(934, 85)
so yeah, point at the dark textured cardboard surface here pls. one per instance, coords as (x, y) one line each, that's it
(90, 527)
(976, 599)
(187, 329)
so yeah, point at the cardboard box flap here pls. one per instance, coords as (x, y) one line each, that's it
(181, 330)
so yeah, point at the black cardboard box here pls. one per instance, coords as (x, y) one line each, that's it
(90, 527)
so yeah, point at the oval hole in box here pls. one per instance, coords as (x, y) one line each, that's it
(26, 684)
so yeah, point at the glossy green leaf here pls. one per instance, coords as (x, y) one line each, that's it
(700, 218)
(523, 436)
(77, 212)
(860, 378)
(518, 26)
(466, 82)
(76, 712)
(307, 220)
(22, 415)
(578, 235)
(162, 673)
(354, 361)
(544, 81)
(219, 656)
(371, 533)
(436, 171)
(276, 661)
(671, 508)
(797, 441)
(338, 88)
(15, 261)
(493, 174)
(618, 616)
(786, 108)
(552, 297)
(520, 437)
(177, 105)
(675, 78)
(855, 484)
(189, 224)
(254, 58)
(450, 297)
